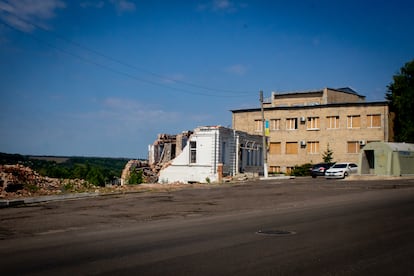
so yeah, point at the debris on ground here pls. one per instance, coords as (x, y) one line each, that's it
(18, 181)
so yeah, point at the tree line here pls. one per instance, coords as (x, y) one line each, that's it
(95, 170)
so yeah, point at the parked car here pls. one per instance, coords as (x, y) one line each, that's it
(320, 169)
(341, 170)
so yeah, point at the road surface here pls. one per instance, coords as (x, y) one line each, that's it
(294, 227)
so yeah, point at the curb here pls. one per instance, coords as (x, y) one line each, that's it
(30, 200)
(277, 177)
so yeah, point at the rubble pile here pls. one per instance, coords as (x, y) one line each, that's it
(21, 181)
(149, 173)
(18, 181)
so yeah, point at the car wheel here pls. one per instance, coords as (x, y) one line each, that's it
(345, 174)
(313, 176)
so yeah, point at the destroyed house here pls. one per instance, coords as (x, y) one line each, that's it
(210, 153)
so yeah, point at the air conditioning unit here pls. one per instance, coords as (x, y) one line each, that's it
(302, 143)
(302, 119)
(362, 142)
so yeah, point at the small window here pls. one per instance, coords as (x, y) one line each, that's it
(292, 123)
(332, 122)
(353, 147)
(275, 148)
(354, 121)
(313, 123)
(193, 152)
(374, 121)
(258, 125)
(291, 148)
(312, 147)
(274, 169)
(275, 124)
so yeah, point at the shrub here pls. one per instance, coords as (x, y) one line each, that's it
(135, 177)
(303, 170)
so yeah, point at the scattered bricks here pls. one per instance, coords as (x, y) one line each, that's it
(18, 181)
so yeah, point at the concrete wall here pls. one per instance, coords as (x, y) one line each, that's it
(334, 96)
(297, 99)
(325, 96)
(214, 146)
(396, 159)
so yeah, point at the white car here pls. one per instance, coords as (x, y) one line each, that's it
(341, 170)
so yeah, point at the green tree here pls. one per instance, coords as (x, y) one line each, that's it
(400, 96)
(135, 177)
(95, 176)
(327, 156)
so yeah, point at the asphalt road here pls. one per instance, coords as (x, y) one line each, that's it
(324, 227)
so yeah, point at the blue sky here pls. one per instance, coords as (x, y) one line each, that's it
(104, 77)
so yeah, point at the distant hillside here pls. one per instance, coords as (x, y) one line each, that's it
(97, 170)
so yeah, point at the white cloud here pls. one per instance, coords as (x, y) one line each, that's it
(237, 69)
(92, 4)
(133, 111)
(123, 5)
(221, 5)
(20, 13)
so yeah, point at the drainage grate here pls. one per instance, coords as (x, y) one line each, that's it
(275, 232)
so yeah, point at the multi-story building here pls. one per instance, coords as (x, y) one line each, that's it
(300, 126)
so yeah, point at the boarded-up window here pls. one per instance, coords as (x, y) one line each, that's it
(312, 147)
(313, 123)
(274, 169)
(275, 124)
(292, 123)
(374, 120)
(353, 147)
(275, 148)
(333, 121)
(258, 125)
(291, 148)
(354, 121)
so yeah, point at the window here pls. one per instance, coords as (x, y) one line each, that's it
(274, 169)
(193, 151)
(313, 123)
(289, 170)
(333, 122)
(312, 147)
(354, 121)
(374, 121)
(223, 153)
(274, 124)
(275, 148)
(291, 148)
(353, 147)
(258, 125)
(292, 123)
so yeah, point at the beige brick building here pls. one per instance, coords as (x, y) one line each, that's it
(301, 125)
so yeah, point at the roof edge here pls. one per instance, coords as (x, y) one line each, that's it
(310, 106)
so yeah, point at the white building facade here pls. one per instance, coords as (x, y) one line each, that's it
(212, 152)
